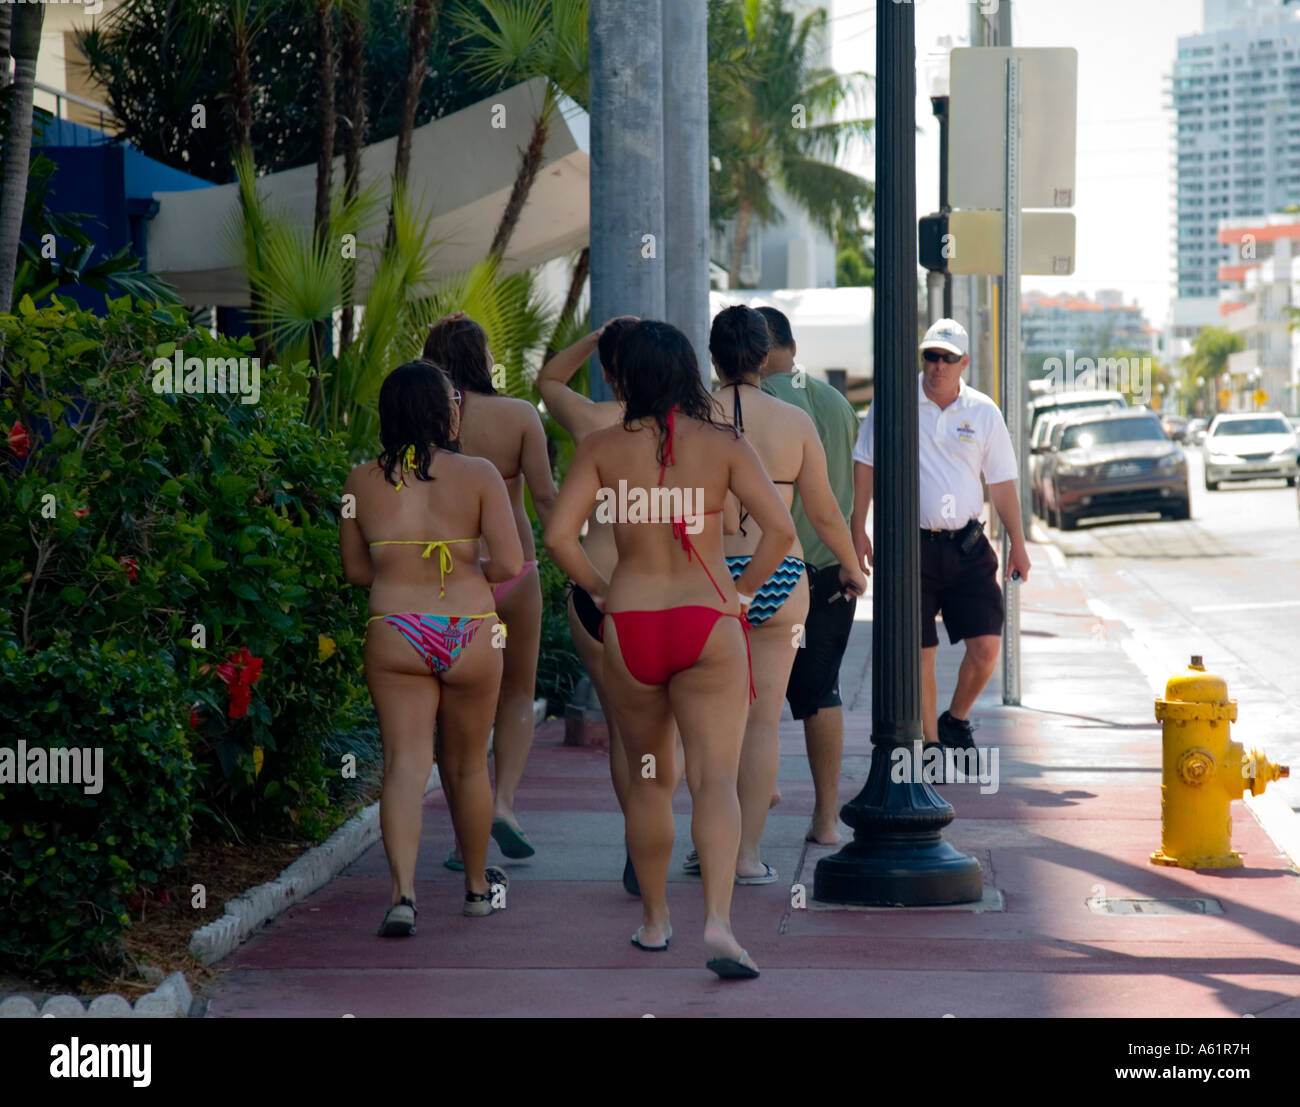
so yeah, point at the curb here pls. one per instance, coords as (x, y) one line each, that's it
(172, 999)
(1279, 822)
(315, 868)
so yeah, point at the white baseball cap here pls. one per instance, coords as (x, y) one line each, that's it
(947, 334)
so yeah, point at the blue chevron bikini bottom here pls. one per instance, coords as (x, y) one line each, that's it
(775, 590)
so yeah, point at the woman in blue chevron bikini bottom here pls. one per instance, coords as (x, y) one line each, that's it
(787, 444)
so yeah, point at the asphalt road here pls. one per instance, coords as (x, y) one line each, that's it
(1225, 584)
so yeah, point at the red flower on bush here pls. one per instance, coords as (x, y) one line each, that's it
(81, 512)
(131, 567)
(239, 674)
(195, 720)
(18, 440)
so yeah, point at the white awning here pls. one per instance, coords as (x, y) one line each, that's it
(463, 167)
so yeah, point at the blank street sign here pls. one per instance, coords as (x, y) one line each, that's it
(977, 111)
(1046, 242)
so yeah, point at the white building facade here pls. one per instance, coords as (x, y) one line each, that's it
(1260, 285)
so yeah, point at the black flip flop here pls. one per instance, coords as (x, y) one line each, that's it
(636, 941)
(729, 968)
(513, 843)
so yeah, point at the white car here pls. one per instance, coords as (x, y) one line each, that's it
(1249, 446)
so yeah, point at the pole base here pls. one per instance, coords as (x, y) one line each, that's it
(888, 870)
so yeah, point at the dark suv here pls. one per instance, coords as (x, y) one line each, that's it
(1113, 463)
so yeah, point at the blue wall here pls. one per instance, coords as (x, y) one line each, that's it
(112, 183)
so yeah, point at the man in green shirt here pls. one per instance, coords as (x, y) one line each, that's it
(814, 689)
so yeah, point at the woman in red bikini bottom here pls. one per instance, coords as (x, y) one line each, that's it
(414, 541)
(673, 621)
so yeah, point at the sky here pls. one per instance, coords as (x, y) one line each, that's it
(1124, 158)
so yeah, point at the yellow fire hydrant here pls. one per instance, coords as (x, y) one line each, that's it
(1203, 771)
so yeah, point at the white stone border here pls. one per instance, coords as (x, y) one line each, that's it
(172, 999)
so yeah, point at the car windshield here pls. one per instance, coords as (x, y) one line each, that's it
(1252, 426)
(1105, 432)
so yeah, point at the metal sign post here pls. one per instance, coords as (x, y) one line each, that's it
(1012, 372)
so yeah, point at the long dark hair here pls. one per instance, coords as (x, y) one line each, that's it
(655, 371)
(614, 333)
(414, 411)
(739, 341)
(460, 346)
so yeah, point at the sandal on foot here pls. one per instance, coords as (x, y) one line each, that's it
(400, 920)
(636, 941)
(767, 876)
(479, 904)
(733, 968)
(454, 863)
(692, 863)
(514, 843)
(630, 883)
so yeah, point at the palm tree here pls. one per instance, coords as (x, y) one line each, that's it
(1208, 360)
(6, 23)
(417, 69)
(353, 66)
(25, 46)
(326, 120)
(517, 40)
(771, 121)
(299, 280)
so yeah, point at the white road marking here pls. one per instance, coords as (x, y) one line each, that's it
(1249, 606)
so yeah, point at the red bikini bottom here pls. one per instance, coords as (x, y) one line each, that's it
(657, 644)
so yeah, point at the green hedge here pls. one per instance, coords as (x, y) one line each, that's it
(137, 517)
(70, 858)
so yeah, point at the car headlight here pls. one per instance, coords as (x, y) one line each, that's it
(1287, 453)
(1171, 461)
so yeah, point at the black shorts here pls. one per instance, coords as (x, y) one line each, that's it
(589, 615)
(815, 678)
(964, 587)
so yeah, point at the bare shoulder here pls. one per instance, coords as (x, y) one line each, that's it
(466, 468)
(521, 410)
(362, 474)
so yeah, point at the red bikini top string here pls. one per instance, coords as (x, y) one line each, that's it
(679, 524)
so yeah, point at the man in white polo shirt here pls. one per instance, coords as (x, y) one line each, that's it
(962, 436)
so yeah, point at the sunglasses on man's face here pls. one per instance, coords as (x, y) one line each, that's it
(941, 355)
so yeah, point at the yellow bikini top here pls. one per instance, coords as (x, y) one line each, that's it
(445, 563)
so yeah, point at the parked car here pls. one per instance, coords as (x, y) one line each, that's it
(1040, 445)
(1175, 427)
(1113, 463)
(1249, 446)
(1196, 431)
(1055, 403)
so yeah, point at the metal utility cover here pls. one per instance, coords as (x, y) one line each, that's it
(1046, 242)
(977, 109)
(1201, 905)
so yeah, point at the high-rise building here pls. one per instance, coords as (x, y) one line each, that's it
(1235, 90)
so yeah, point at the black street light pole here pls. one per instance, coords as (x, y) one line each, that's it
(898, 855)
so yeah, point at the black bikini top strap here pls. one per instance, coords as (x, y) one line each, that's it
(737, 415)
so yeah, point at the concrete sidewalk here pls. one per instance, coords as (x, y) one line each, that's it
(1074, 820)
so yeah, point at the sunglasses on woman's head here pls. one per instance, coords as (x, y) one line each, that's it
(941, 355)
